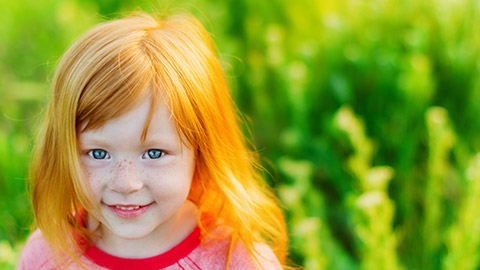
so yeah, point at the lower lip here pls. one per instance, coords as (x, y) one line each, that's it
(122, 213)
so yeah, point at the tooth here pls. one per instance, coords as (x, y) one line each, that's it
(127, 208)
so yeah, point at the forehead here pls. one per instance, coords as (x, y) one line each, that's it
(148, 118)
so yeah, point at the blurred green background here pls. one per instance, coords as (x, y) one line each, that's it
(366, 115)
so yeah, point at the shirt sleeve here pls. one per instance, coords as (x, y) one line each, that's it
(36, 253)
(265, 258)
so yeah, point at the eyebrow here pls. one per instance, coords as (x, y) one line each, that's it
(152, 139)
(91, 140)
(159, 139)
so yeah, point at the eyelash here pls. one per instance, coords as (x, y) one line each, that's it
(102, 154)
(158, 154)
(92, 153)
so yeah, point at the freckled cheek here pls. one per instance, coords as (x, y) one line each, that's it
(169, 181)
(97, 180)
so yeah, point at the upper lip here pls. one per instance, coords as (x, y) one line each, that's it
(128, 205)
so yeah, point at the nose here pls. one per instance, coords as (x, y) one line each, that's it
(126, 178)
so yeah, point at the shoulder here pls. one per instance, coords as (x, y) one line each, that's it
(213, 253)
(265, 258)
(36, 253)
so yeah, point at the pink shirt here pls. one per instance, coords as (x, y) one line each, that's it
(189, 254)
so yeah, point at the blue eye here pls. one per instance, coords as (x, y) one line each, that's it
(153, 154)
(99, 154)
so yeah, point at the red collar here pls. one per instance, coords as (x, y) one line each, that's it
(157, 262)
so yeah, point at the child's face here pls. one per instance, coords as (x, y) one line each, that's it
(140, 185)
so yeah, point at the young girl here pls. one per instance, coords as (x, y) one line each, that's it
(140, 162)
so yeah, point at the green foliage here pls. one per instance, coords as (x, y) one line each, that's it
(371, 209)
(9, 255)
(397, 189)
(463, 240)
(440, 141)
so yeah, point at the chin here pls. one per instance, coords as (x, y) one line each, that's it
(131, 232)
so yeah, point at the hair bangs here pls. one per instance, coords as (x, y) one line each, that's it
(113, 90)
(186, 74)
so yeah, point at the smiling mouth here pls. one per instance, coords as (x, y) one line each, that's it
(129, 211)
